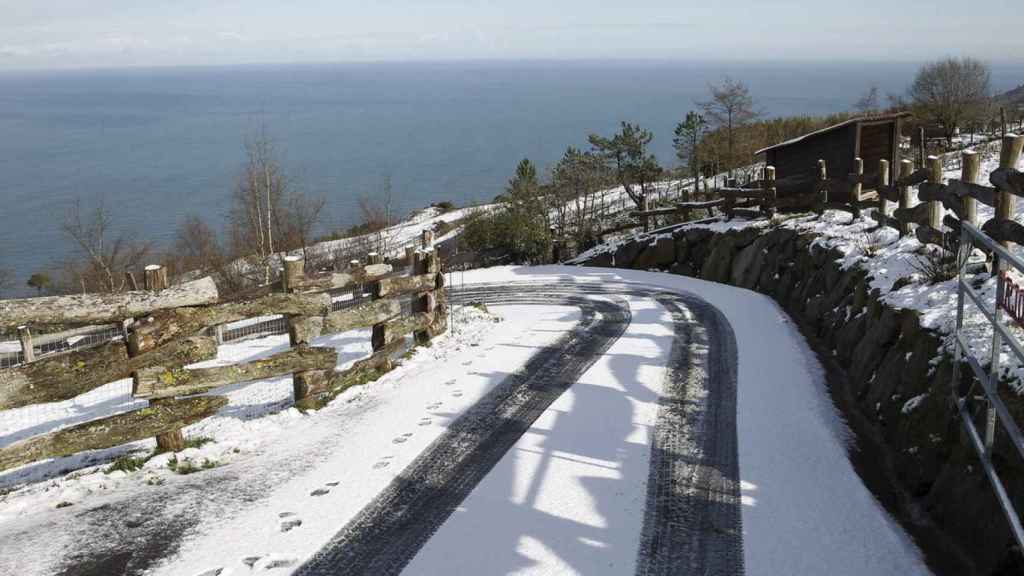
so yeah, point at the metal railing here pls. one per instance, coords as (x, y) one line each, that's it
(996, 412)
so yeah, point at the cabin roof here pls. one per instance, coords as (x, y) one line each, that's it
(855, 120)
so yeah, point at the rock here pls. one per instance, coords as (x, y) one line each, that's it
(626, 253)
(746, 266)
(602, 260)
(664, 251)
(646, 259)
(871, 348)
(719, 261)
(683, 269)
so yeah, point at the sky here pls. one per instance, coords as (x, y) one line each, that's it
(130, 33)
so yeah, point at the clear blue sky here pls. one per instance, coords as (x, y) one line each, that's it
(115, 33)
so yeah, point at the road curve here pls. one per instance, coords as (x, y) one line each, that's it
(692, 517)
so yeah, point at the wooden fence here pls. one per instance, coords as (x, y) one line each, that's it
(164, 328)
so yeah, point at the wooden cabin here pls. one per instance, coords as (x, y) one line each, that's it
(870, 138)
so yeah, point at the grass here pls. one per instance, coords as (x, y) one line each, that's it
(187, 466)
(127, 464)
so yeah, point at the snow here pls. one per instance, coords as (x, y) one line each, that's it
(571, 493)
(568, 498)
(913, 403)
(805, 510)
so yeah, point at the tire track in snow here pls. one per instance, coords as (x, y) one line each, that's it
(692, 521)
(388, 532)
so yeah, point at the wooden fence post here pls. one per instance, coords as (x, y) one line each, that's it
(294, 272)
(155, 279)
(770, 192)
(28, 353)
(822, 186)
(934, 166)
(883, 181)
(1009, 155)
(428, 239)
(970, 170)
(855, 190)
(906, 169)
(410, 259)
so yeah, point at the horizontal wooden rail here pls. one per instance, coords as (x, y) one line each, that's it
(167, 325)
(1008, 179)
(314, 396)
(67, 376)
(404, 285)
(112, 431)
(168, 382)
(103, 308)
(741, 193)
(362, 316)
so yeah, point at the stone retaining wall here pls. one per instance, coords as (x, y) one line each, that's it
(896, 375)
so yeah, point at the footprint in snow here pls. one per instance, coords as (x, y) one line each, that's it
(457, 394)
(383, 463)
(214, 572)
(289, 524)
(250, 561)
(434, 406)
(333, 484)
(450, 382)
(320, 492)
(277, 561)
(425, 421)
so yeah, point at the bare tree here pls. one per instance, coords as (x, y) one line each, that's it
(300, 219)
(376, 210)
(951, 93)
(869, 102)
(104, 256)
(730, 107)
(255, 202)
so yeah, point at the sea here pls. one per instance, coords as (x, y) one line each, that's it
(155, 145)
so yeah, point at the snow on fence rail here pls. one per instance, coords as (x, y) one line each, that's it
(164, 335)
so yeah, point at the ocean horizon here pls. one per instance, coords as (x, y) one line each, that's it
(158, 144)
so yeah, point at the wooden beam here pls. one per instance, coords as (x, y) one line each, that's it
(404, 285)
(970, 170)
(110, 432)
(1004, 231)
(1009, 180)
(167, 382)
(912, 178)
(932, 192)
(740, 193)
(906, 172)
(103, 308)
(362, 316)
(167, 325)
(317, 393)
(342, 280)
(67, 376)
(934, 166)
(920, 214)
(929, 235)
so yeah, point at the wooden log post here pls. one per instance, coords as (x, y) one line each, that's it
(970, 170)
(857, 186)
(883, 181)
(410, 259)
(28, 353)
(822, 186)
(934, 167)
(155, 279)
(1009, 155)
(770, 193)
(906, 169)
(294, 272)
(374, 258)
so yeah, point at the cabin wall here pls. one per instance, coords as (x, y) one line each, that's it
(875, 144)
(837, 148)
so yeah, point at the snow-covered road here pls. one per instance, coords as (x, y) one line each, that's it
(569, 487)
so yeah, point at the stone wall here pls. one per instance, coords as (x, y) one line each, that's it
(885, 359)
